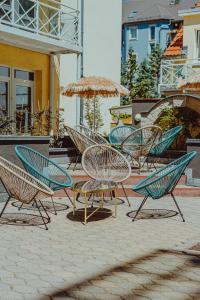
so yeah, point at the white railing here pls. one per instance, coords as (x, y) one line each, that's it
(48, 18)
(174, 71)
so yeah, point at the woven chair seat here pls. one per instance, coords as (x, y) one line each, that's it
(101, 162)
(119, 133)
(20, 184)
(163, 181)
(43, 168)
(166, 141)
(94, 136)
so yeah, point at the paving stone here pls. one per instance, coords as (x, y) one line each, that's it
(108, 259)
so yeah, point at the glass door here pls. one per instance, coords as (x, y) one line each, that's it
(23, 106)
(4, 88)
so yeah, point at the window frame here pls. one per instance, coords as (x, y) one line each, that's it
(150, 27)
(12, 83)
(130, 36)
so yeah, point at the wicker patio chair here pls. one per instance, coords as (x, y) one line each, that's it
(119, 134)
(80, 141)
(140, 142)
(44, 169)
(23, 187)
(164, 181)
(102, 162)
(96, 137)
(168, 137)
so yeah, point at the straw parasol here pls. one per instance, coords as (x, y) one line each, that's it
(94, 86)
(192, 82)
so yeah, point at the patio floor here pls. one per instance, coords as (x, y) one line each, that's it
(108, 259)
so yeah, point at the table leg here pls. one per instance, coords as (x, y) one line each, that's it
(115, 205)
(85, 198)
(74, 203)
(102, 200)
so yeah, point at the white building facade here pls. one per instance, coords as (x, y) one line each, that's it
(101, 41)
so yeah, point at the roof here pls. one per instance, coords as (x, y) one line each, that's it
(135, 11)
(176, 46)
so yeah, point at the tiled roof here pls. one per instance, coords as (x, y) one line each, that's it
(176, 46)
(135, 11)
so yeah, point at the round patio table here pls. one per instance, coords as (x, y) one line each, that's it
(91, 188)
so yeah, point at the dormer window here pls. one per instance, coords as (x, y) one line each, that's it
(132, 14)
(174, 2)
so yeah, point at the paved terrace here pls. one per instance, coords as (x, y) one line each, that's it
(108, 259)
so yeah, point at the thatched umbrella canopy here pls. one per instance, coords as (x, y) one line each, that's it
(91, 87)
(192, 82)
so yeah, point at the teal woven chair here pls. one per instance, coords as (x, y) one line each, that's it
(44, 169)
(119, 133)
(168, 137)
(163, 182)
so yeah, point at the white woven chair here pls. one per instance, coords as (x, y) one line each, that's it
(23, 187)
(96, 137)
(139, 143)
(102, 162)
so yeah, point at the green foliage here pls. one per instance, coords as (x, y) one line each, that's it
(142, 81)
(90, 107)
(169, 118)
(154, 66)
(128, 74)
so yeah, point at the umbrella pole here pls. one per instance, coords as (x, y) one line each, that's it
(94, 112)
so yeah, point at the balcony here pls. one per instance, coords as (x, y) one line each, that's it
(46, 25)
(173, 71)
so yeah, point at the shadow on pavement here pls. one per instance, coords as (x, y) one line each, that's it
(162, 274)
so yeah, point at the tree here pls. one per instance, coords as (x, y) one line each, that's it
(154, 68)
(128, 73)
(90, 106)
(142, 87)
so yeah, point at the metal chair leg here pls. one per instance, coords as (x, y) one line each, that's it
(53, 205)
(125, 194)
(140, 207)
(68, 196)
(20, 206)
(180, 212)
(41, 214)
(43, 207)
(76, 162)
(5, 205)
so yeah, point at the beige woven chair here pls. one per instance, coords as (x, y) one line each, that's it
(139, 143)
(94, 136)
(104, 163)
(23, 187)
(80, 141)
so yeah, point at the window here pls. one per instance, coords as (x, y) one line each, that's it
(16, 96)
(3, 98)
(152, 33)
(133, 33)
(198, 44)
(24, 75)
(4, 71)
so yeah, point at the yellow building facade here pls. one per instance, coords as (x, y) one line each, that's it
(33, 34)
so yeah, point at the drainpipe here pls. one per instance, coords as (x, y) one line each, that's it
(52, 70)
(80, 68)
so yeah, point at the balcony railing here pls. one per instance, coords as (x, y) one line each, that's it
(50, 18)
(173, 71)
